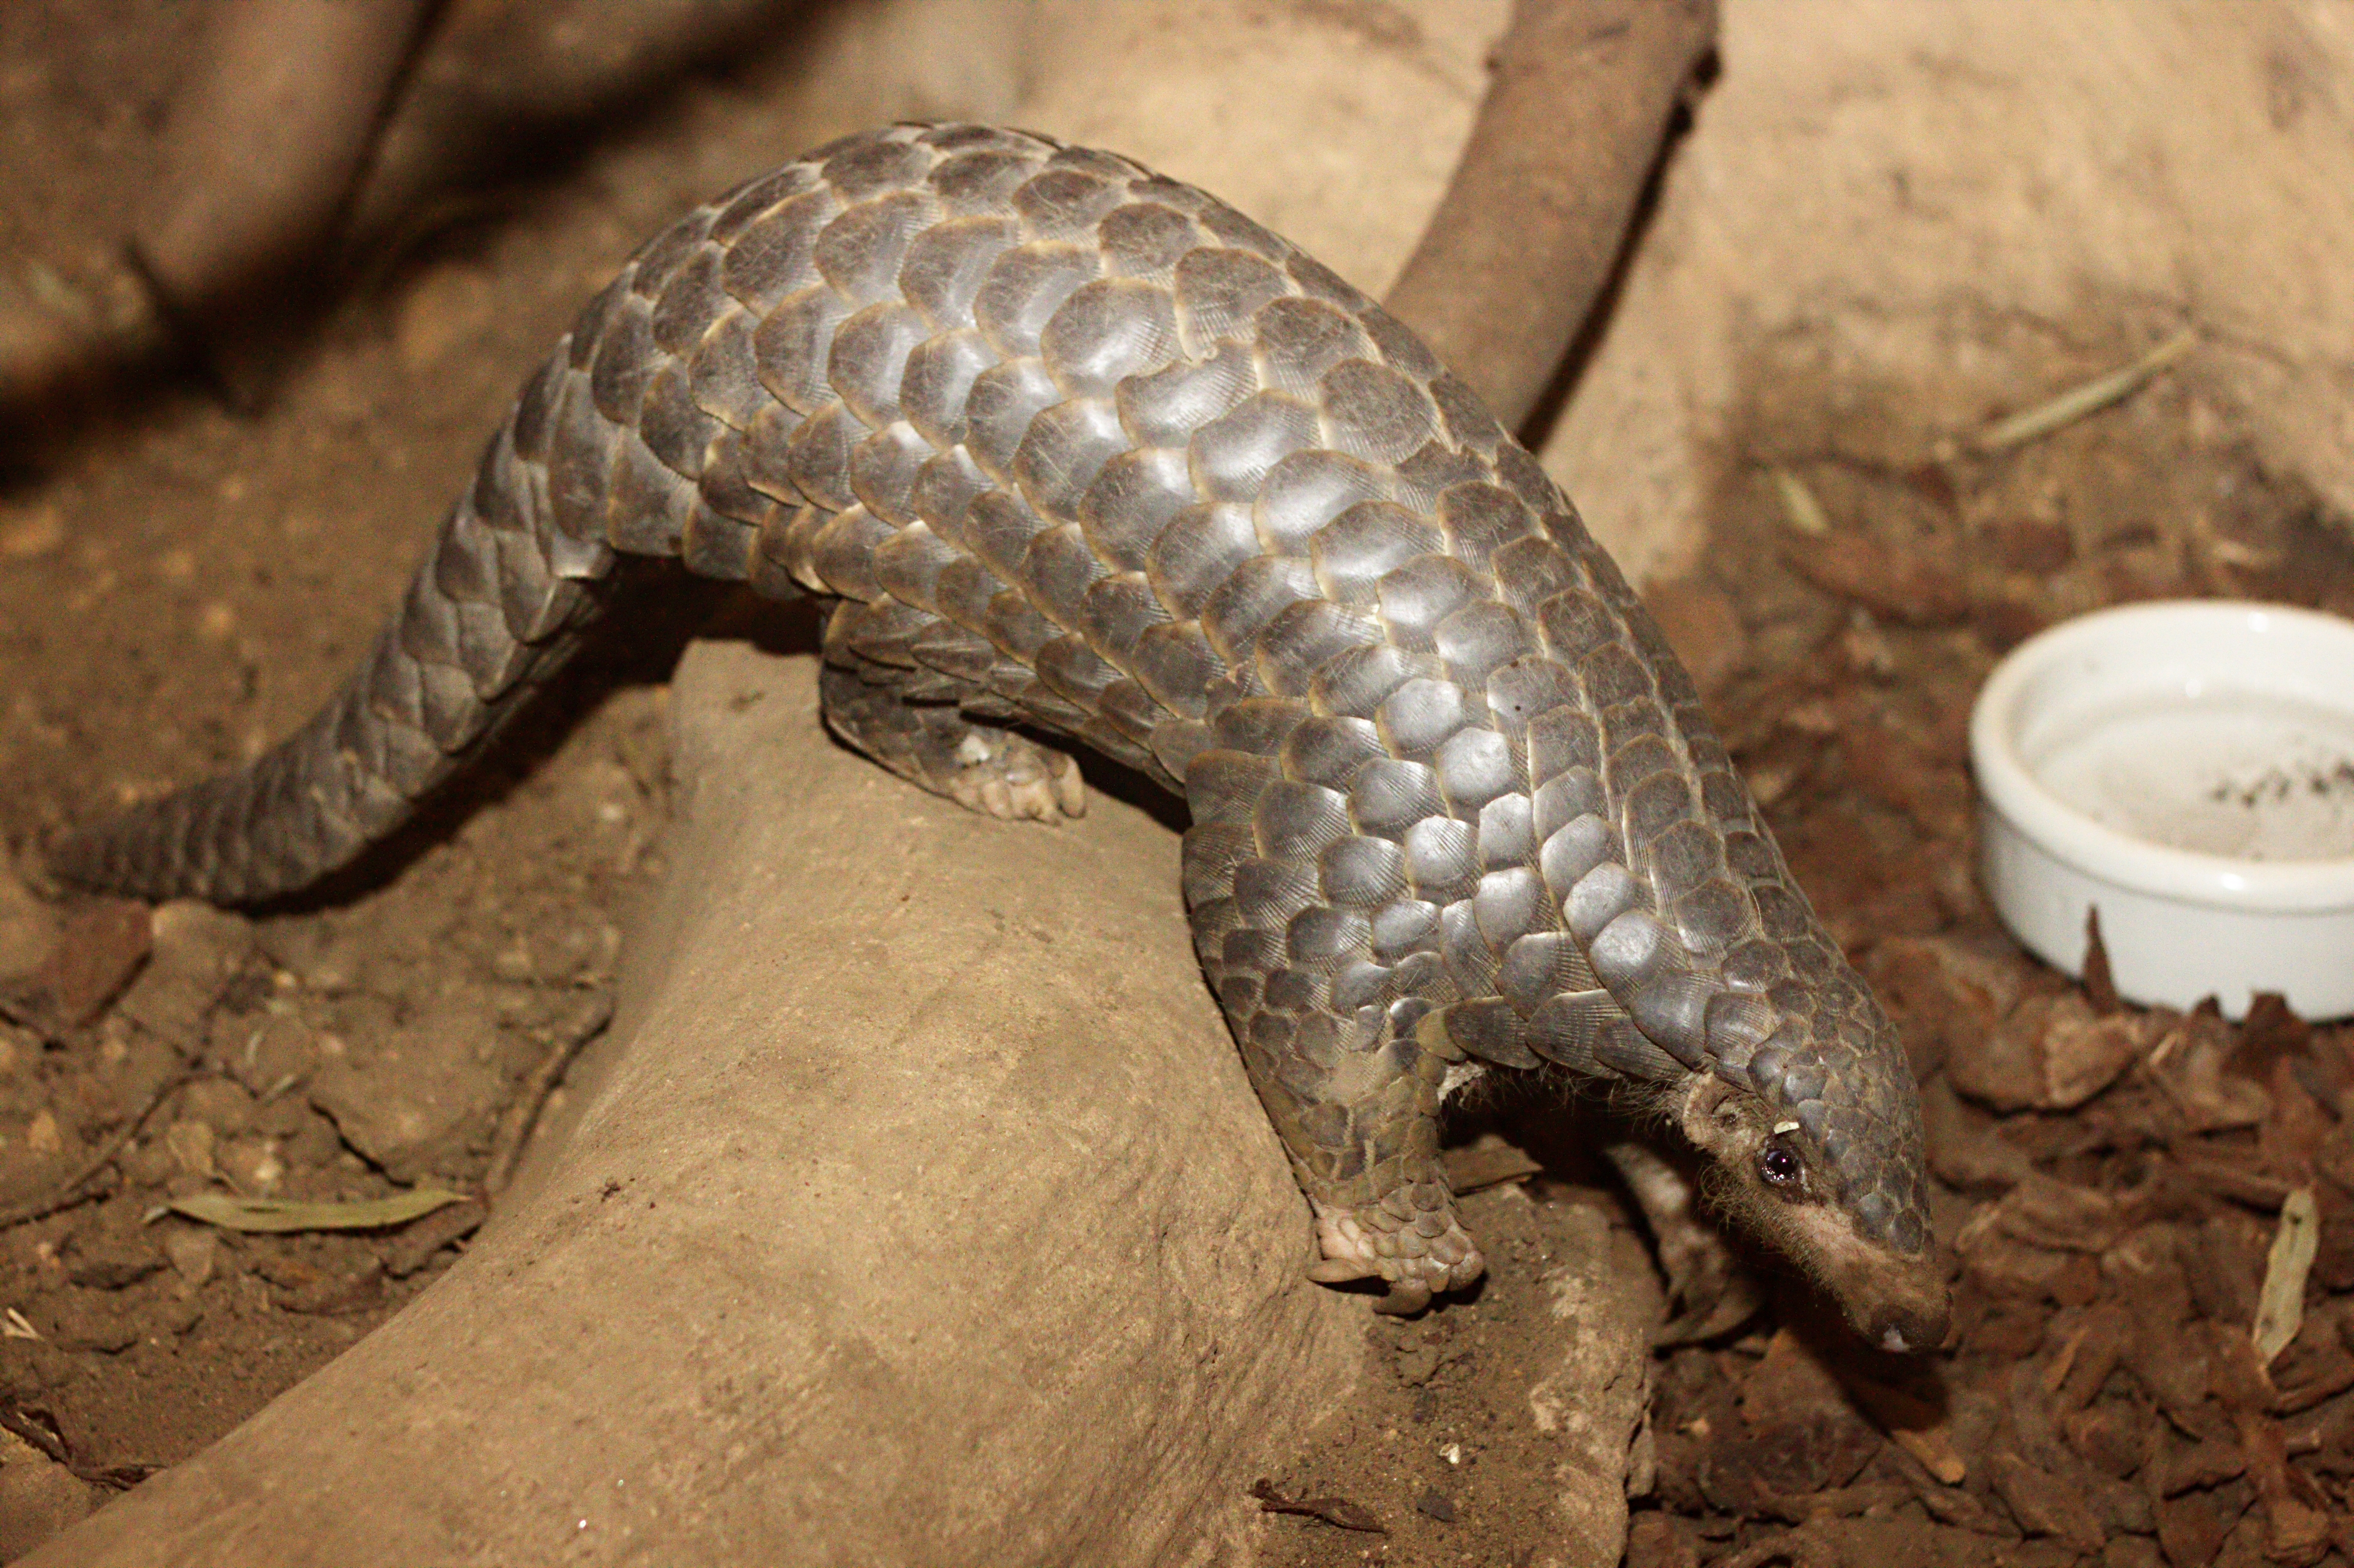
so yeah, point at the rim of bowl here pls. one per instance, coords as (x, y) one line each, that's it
(2091, 847)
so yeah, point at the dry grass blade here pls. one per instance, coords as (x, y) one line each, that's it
(1806, 515)
(2090, 397)
(232, 1213)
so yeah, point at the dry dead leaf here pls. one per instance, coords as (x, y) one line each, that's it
(232, 1213)
(2280, 1310)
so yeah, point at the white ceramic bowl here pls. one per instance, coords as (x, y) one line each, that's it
(2188, 768)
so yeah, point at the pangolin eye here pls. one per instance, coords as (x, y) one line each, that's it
(1780, 1165)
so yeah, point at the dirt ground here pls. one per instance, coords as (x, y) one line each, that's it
(178, 585)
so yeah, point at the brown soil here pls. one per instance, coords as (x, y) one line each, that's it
(177, 585)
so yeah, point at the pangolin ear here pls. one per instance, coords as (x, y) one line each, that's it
(1709, 1112)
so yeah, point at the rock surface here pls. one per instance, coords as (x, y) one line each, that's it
(1595, 1399)
(917, 1209)
(28, 927)
(410, 1104)
(194, 953)
(1908, 201)
(39, 1497)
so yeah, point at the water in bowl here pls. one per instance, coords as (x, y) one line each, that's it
(2260, 778)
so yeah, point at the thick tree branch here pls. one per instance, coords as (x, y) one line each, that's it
(1524, 239)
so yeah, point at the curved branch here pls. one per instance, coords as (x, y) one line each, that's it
(1524, 239)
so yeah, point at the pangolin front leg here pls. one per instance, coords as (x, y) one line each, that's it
(1359, 1118)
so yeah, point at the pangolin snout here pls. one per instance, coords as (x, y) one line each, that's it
(1905, 1332)
(1910, 1323)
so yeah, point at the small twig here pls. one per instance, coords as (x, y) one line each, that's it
(113, 1478)
(1338, 1512)
(2091, 398)
(68, 1194)
(523, 1115)
(416, 1244)
(23, 1426)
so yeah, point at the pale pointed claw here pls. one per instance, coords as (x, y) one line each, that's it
(1034, 800)
(1366, 1243)
(1015, 780)
(1070, 789)
(1340, 1271)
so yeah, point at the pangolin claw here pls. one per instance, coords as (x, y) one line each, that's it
(1016, 780)
(1365, 1244)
